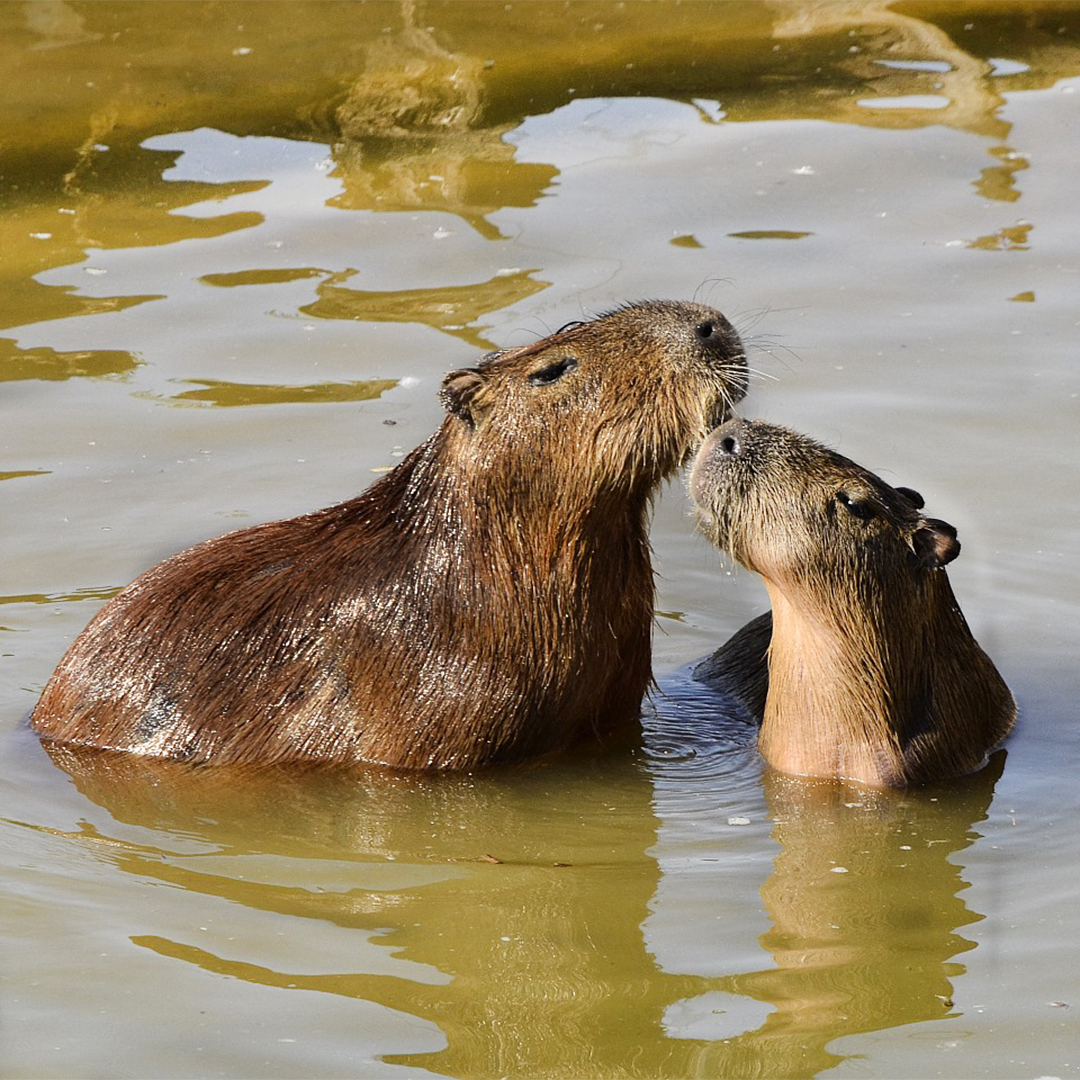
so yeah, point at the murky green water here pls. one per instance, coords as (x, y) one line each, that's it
(242, 242)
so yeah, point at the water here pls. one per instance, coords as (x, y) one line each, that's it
(242, 245)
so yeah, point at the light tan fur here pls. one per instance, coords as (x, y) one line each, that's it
(873, 673)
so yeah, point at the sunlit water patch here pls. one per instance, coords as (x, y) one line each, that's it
(239, 262)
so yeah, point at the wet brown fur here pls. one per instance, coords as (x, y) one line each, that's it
(873, 674)
(488, 600)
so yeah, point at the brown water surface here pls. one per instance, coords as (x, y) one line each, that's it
(243, 242)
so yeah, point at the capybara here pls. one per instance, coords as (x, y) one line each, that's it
(871, 673)
(488, 600)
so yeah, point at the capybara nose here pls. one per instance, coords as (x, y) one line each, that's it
(729, 445)
(718, 453)
(727, 440)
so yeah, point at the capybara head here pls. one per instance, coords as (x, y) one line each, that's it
(873, 674)
(488, 600)
(807, 518)
(618, 401)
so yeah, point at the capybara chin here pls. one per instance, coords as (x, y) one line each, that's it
(872, 673)
(489, 600)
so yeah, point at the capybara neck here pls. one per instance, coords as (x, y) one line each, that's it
(873, 673)
(489, 600)
(857, 694)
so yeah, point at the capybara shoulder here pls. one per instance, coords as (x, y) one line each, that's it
(488, 600)
(872, 672)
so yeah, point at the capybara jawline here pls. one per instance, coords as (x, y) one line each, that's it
(866, 670)
(489, 600)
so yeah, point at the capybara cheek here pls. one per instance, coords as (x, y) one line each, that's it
(712, 480)
(706, 486)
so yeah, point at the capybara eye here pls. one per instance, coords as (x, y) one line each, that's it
(545, 376)
(728, 445)
(705, 331)
(858, 507)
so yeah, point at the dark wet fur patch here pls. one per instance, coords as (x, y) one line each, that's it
(159, 714)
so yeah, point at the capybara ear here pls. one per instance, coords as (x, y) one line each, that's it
(935, 543)
(912, 497)
(458, 390)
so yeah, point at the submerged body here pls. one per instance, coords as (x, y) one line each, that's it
(488, 600)
(866, 669)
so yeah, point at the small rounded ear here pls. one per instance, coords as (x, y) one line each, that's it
(912, 497)
(935, 543)
(458, 390)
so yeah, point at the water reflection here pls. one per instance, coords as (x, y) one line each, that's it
(998, 182)
(15, 475)
(490, 899)
(233, 164)
(214, 392)
(865, 904)
(487, 907)
(272, 202)
(412, 134)
(58, 598)
(56, 24)
(910, 62)
(454, 309)
(425, 119)
(46, 363)
(420, 116)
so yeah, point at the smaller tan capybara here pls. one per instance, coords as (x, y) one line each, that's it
(488, 600)
(872, 673)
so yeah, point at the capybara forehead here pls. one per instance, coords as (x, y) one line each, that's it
(838, 473)
(665, 323)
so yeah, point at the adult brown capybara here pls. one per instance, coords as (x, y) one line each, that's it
(872, 673)
(488, 600)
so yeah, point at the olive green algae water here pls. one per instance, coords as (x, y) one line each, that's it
(243, 242)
